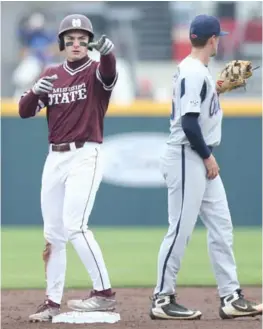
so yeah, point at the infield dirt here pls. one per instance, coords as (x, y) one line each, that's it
(133, 306)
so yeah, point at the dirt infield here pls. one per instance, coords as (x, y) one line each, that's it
(133, 306)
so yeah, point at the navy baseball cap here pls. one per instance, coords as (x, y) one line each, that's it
(204, 26)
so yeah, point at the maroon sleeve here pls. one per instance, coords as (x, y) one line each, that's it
(30, 104)
(106, 71)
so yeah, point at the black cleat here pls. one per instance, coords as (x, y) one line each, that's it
(236, 306)
(165, 308)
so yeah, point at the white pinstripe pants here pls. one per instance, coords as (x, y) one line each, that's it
(70, 182)
(190, 194)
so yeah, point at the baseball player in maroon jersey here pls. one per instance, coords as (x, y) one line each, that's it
(76, 95)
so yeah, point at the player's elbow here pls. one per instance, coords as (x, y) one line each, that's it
(188, 132)
(23, 113)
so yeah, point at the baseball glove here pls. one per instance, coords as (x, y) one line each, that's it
(234, 75)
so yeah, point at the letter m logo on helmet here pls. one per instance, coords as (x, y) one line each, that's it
(74, 22)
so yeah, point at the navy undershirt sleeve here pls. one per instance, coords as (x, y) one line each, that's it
(193, 132)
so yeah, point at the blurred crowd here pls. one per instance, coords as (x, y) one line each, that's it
(154, 33)
(38, 49)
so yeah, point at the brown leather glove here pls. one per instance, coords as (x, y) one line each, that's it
(234, 75)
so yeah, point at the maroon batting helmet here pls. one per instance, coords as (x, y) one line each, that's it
(74, 22)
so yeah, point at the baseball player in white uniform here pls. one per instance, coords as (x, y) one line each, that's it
(76, 94)
(194, 185)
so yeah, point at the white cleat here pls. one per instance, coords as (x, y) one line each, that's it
(96, 302)
(45, 312)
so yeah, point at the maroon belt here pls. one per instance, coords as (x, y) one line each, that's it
(66, 146)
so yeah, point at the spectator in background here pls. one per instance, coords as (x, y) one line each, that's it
(144, 89)
(38, 49)
(36, 39)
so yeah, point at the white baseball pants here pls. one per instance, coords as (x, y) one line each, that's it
(190, 194)
(70, 182)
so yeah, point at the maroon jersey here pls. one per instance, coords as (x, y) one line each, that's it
(77, 105)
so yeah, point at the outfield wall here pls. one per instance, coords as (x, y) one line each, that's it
(132, 192)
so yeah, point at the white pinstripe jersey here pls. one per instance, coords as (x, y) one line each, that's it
(194, 91)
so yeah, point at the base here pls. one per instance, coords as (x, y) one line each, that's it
(86, 317)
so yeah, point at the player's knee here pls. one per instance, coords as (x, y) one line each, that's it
(71, 234)
(74, 232)
(56, 241)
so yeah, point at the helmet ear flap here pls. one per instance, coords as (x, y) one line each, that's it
(61, 43)
(91, 38)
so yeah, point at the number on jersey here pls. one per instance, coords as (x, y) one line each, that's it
(214, 106)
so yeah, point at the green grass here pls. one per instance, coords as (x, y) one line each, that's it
(130, 254)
